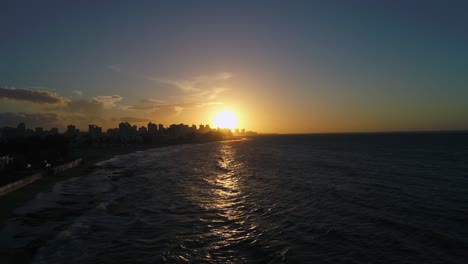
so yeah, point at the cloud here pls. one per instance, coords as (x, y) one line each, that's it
(202, 87)
(115, 67)
(178, 110)
(30, 119)
(215, 77)
(33, 96)
(214, 93)
(178, 106)
(151, 101)
(109, 101)
(85, 107)
(141, 107)
(166, 113)
(81, 113)
(198, 83)
(131, 119)
(76, 92)
(147, 103)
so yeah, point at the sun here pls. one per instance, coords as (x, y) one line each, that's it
(225, 119)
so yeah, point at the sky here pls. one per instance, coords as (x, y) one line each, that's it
(280, 66)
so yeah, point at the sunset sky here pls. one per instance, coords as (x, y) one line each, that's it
(280, 66)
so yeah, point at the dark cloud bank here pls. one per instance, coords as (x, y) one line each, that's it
(34, 96)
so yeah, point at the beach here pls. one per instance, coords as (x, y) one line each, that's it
(90, 155)
(15, 199)
(20, 197)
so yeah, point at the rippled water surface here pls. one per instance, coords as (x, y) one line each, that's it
(394, 198)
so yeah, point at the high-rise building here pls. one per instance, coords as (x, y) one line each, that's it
(127, 132)
(21, 130)
(71, 129)
(142, 130)
(94, 131)
(152, 128)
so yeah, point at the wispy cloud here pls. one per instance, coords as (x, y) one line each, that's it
(151, 101)
(147, 104)
(33, 96)
(178, 110)
(141, 107)
(77, 92)
(178, 107)
(202, 87)
(109, 101)
(198, 83)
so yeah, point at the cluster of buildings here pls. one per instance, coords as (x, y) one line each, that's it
(42, 145)
(21, 131)
(125, 133)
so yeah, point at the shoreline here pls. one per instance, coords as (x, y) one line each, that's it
(90, 155)
(21, 196)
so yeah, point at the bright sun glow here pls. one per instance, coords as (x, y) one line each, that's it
(225, 119)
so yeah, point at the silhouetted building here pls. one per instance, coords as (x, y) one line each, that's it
(127, 132)
(71, 130)
(250, 133)
(113, 134)
(39, 131)
(21, 129)
(161, 129)
(178, 130)
(204, 129)
(152, 128)
(94, 131)
(142, 130)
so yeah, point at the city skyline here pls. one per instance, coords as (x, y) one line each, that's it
(326, 66)
(150, 126)
(21, 130)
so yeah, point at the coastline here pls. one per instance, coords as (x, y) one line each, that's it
(18, 198)
(90, 156)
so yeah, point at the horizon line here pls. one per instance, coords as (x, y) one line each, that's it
(372, 132)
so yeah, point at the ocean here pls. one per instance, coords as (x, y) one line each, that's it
(336, 198)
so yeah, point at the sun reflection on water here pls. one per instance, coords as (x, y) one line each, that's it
(223, 200)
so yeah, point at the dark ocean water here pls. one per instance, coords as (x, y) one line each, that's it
(364, 198)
